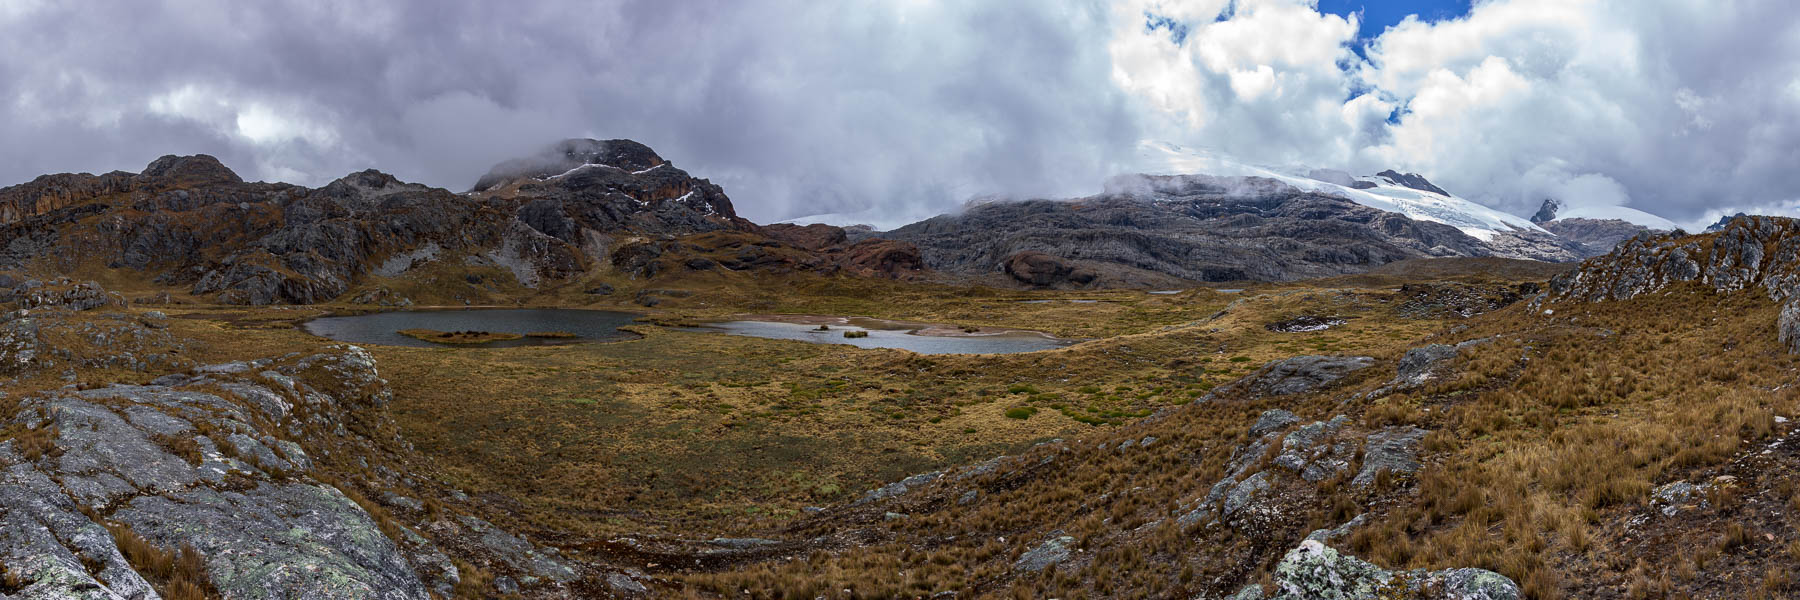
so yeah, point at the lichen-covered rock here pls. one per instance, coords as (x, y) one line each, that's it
(1315, 453)
(1272, 420)
(1787, 326)
(898, 488)
(1046, 555)
(1747, 253)
(218, 460)
(1394, 449)
(1417, 366)
(1314, 571)
(1296, 375)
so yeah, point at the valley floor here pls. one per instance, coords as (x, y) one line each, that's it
(1172, 455)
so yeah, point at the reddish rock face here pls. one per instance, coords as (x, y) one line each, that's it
(1043, 270)
(883, 258)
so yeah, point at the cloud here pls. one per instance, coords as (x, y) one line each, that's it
(1682, 108)
(901, 109)
(796, 107)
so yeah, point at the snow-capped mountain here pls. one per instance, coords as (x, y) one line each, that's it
(1406, 194)
(1554, 209)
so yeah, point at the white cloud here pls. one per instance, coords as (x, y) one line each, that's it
(1680, 108)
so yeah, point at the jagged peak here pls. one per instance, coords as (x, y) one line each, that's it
(569, 154)
(1547, 212)
(1411, 180)
(368, 183)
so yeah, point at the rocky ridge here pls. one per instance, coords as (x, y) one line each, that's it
(191, 223)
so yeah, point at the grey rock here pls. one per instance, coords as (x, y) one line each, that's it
(1046, 555)
(1417, 365)
(1244, 492)
(1314, 571)
(1326, 536)
(1596, 236)
(1248, 592)
(277, 539)
(517, 552)
(624, 585)
(1272, 420)
(1674, 497)
(1297, 375)
(898, 488)
(126, 450)
(1788, 326)
(506, 585)
(1394, 449)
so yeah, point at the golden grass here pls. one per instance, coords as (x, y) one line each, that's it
(177, 575)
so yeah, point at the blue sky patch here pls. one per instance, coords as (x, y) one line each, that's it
(1178, 31)
(1378, 15)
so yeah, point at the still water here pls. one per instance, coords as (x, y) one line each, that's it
(382, 328)
(903, 338)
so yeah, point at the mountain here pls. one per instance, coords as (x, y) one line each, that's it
(579, 208)
(1598, 228)
(1244, 224)
(1408, 194)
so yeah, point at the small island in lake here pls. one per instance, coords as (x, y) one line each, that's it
(552, 335)
(459, 337)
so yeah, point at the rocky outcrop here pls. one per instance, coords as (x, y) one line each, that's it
(1411, 180)
(881, 258)
(182, 465)
(1750, 253)
(1295, 375)
(1038, 269)
(1314, 571)
(1196, 228)
(1393, 450)
(1420, 364)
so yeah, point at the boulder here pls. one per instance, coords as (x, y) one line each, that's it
(1046, 555)
(1394, 449)
(1043, 270)
(1314, 571)
(1416, 366)
(1297, 375)
(1787, 326)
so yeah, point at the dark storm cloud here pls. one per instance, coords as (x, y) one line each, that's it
(796, 107)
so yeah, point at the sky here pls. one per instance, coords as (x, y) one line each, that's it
(891, 111)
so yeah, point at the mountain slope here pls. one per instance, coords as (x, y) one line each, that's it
(1199, 227)
(1407, 194)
